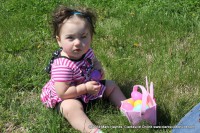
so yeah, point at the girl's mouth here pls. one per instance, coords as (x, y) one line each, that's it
(77, 50)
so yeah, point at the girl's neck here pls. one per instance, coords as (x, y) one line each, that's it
(63, 54)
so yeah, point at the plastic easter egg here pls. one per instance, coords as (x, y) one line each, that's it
(137, 102)
(135, 95)
(126, 106)
(137, 108)
(96, 75)
(130, 100)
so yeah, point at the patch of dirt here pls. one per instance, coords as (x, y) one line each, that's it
(12, 128)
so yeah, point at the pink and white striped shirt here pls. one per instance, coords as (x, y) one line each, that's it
(71, 71)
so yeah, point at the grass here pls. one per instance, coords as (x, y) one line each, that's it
(159, 39)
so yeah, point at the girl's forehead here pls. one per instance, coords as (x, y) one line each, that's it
(74, 25)
(75, 19)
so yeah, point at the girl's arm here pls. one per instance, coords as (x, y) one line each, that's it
(65, 91)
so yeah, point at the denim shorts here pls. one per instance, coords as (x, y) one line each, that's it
(190, 123)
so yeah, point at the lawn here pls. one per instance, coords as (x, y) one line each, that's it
(133, 39)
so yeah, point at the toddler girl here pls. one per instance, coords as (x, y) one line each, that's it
(76, 74)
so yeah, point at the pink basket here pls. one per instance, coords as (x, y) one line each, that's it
(144, 114)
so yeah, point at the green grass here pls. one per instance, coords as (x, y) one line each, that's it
(159, 39)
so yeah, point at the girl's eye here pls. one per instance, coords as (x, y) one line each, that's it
(69, 37)
(84, 36)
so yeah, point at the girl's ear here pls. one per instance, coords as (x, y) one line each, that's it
(58, 40)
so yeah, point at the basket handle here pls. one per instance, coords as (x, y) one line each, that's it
(151, 92)
(144, 96)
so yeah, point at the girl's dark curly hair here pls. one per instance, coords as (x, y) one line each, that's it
(63, 12)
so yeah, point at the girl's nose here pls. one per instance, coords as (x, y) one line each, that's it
(77, 42)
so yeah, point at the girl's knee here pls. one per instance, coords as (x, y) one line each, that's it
(69, 105)
(110, 87)
(110, 84)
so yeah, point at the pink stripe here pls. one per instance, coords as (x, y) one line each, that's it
(90, 53)
(102, 90)
(53, 94)
(62, 73)
(55, 61)
(59, 73)
(62, 76)
(77, 73)
(71, 65)
(60, 66)
(62, 70)
(67, 63)
(91, 97)
(62, 80)
(78, 77)
(80, 64)
(60, 61)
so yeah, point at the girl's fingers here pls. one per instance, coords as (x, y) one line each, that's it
(97, 86)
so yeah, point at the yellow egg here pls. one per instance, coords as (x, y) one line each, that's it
(130, 100)
(137, 102)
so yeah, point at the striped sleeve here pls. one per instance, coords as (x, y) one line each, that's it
(90, 54)
(61, 73)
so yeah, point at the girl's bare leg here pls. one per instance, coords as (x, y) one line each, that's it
(73, 111)
(114, 93)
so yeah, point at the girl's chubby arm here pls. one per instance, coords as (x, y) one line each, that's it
(66, 91)
(98, 66)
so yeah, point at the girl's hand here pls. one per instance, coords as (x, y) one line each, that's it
(92, 87)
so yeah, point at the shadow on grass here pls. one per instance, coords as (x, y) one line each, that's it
(126, 88)
(163, 116)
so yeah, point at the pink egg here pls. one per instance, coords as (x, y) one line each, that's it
(135, 95)
(127, 106)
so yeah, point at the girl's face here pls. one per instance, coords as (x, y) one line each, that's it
(74, 38)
